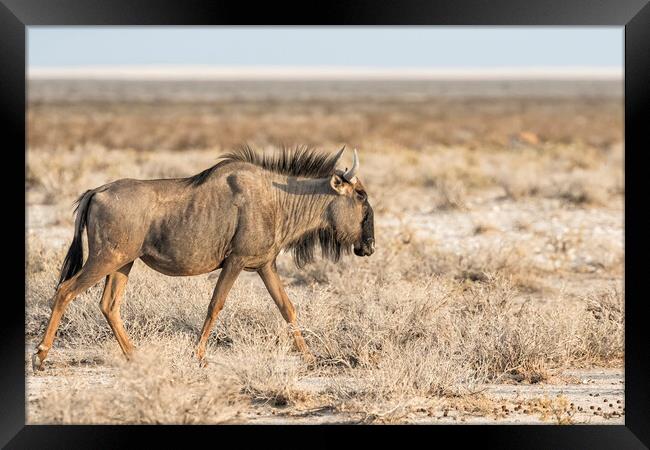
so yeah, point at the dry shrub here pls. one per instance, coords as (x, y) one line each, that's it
(163, 385)
(420, 257)
(451, 193)
(498, 258)
(269, 374)
(442, 337)
(508, 339)
(518, 185)
(601, 328)
(581, 188)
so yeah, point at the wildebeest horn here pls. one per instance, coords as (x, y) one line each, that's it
(338, 155)
(350, 175)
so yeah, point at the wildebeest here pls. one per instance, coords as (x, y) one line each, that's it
(237, 215)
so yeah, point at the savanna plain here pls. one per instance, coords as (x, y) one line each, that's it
(495, 294)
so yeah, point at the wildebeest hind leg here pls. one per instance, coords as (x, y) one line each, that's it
(90, 273)
(110, 306)
(274, 285)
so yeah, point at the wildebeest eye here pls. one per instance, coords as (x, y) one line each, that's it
(361, 195)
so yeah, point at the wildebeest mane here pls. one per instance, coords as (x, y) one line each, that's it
(299, 161)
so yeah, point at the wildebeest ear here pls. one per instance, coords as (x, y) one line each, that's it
(338, 184)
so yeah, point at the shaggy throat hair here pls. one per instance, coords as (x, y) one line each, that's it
(331, 246)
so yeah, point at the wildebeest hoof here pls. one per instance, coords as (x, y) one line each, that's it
(37, 364)
(310, 360)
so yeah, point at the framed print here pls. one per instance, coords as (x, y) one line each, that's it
(368, 214)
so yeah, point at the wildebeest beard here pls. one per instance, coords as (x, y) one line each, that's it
(332, 245)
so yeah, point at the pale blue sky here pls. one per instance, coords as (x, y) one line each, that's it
(326, 46)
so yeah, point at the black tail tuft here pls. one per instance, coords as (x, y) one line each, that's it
(74, 258)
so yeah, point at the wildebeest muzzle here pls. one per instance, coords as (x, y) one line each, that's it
(366, 246)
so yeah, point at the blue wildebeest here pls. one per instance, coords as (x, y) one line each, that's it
(237, 215)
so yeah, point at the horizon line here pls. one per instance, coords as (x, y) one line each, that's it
(214, 72)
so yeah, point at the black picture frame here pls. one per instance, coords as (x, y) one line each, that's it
(634, 15)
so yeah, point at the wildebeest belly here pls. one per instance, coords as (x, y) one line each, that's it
(178, 246)
(182, 266)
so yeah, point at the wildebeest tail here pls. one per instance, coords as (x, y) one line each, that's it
(74, 258)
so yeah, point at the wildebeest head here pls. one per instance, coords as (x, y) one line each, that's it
(350, 214)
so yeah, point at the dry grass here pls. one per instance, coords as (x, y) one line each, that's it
(161, 386)
(499, 259)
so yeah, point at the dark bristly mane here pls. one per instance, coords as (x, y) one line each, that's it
(302, 161)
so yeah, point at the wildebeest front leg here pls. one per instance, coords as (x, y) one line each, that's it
(229, 273)
(273, 284)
